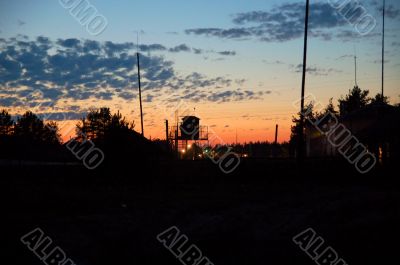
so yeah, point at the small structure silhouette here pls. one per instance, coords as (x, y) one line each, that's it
(189, 129)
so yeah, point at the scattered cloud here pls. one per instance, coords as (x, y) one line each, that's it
(197, 51)
(61, 116)
(181, 48)
(391, 11)
(314, 70)
(345, 56)
(20, 23)
(227, 53)
(152, 48)
(234, 33)
(285, 22)
(74, 69)
(282, 23)
(351, 35)
(380, 61)
(273, 62)
(396, 44)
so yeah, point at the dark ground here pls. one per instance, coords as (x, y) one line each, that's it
(250, 217)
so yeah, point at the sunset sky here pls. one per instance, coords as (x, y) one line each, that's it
(235, 64)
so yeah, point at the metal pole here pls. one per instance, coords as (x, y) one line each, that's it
(236, 142)
(166, 134)
(276, 134)
(300, 154)
(383, 45)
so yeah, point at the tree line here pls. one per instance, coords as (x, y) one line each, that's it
(356, 99)
(29, 137)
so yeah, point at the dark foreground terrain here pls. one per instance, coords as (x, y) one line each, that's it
(112, 217)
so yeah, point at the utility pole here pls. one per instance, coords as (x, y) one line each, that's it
(300, 154)
(176, 134)
(166, 134)
(276, 134)
(236, 142)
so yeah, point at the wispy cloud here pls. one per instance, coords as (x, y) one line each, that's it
(20, 22)
(285, 22)
(314, 70)
(282, 23)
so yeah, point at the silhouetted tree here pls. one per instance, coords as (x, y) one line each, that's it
(330, 107)
(6, 123)
(30, 128)
(309, 115)
(355, 100)
(100, 125)
(29, 138)
(50, 134)
(116, 137)
(379, 99)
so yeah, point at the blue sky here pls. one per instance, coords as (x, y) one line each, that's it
(247, 55)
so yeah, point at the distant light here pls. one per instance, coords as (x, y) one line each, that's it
(200, 156)
(183, 151)
(189, 146)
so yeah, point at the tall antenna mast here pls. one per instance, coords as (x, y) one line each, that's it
(301, 131)
(355, 67)
(140, 87)
(383, 46)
